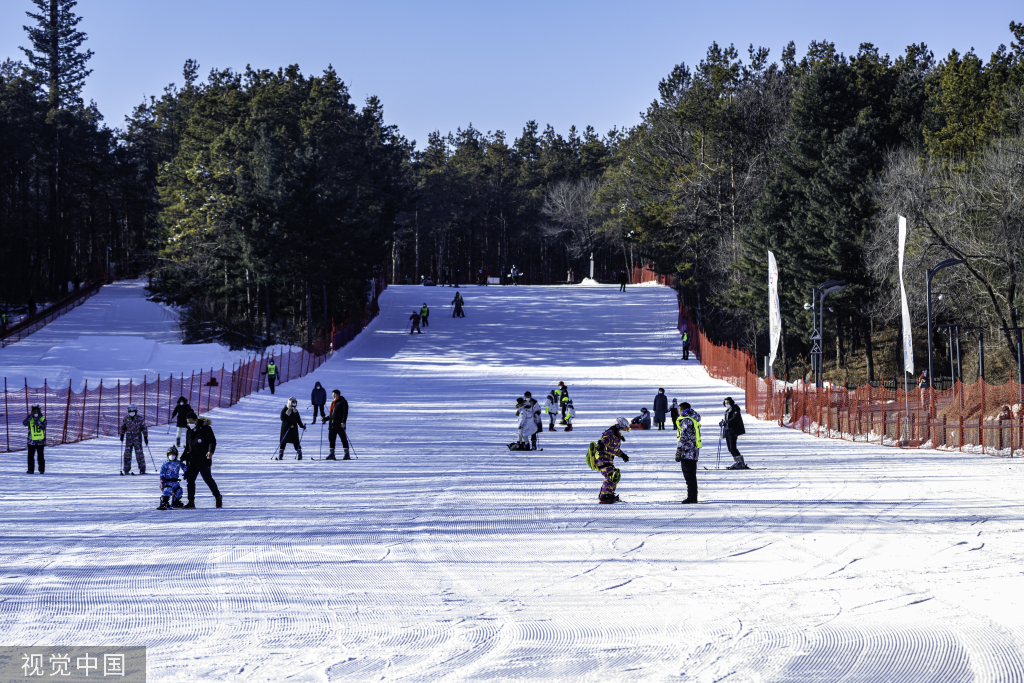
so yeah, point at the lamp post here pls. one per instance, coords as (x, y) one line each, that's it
(980, 331)
(817, 309)
(928, 287)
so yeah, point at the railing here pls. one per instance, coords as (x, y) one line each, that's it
(19, 331)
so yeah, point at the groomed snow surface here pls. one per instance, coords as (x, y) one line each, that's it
(441, 555)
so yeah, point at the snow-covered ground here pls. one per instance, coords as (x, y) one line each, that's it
(441, 555)
(115, 335)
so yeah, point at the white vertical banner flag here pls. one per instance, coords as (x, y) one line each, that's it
(774, 314)
(908, 345)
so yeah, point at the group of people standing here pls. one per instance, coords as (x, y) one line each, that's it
(688, 443)
(421, 318)
(336, 419)
(530, 414)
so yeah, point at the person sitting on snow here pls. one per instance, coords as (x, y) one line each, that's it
(170, 478)
(643, 419)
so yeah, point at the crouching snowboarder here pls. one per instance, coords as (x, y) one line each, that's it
(170, 481)
(133, 431)
(291, 421)
(609, 446)
(688, 448)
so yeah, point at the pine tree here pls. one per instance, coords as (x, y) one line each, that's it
(54, 55)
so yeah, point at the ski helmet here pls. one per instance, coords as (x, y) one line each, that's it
(132, 408)
(172, 453)
(622, 423)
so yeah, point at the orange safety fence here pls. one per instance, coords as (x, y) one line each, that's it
(73, 416)
(976, 418)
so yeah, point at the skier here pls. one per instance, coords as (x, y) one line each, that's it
(686, 344)
(537, 420)
(660, 408)
(527, 425)
(570, 413)
(290, 421)
(134, 427)
(318, 398)
(170, 478)
(336, 423)
(642, 421)
(563, 394)
(424, 315)
(415, 318)
(458, 302)
(200, 443)
(271, 373)
(552, 409)
(36, 423)
(688, 448)
(608, 446)
(181, 411)
(622, 280)
(732, 425)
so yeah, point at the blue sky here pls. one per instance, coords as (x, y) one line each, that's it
(441, 65)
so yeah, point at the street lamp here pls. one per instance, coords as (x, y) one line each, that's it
(817, 308)
(928, 286)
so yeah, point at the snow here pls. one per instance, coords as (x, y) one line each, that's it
(117, 334)
(441, 555)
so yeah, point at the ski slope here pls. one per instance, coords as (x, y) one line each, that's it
(439, 555)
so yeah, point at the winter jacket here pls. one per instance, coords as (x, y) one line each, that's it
(527, 425)
(686, 435)
(415, 318)
(570, 413)
(290, 419)
(424, 312)
(319, 395)
(660, 407)
(608, 446)
(734, 420)
(199, 442)
(40, 424)
(644, 419)
(133, 426)
(537, 415)
(552, 405)
(182, 411)
(170, 471)
(339, 413)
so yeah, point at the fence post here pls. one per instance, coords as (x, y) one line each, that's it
(289, 372)
(99, 409)
(119, 401)
(85, 395)
(67, 409)
(220, 394)
(145, 395)
(191, 383)
(7, 417)
(960, 412)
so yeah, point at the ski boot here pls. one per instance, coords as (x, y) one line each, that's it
(299, 456)
(177, 442)
(330, 456)
(176, 503)
(280, 456)
(191, 505)
(347, 457)
(689, 501)
(164, 505)
(551, 428)
(607, 499)
(568, 428)
(220, 501)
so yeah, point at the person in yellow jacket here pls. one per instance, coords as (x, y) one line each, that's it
(36, 423)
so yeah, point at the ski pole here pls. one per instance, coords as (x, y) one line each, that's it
(721, 430)
(320, 455)
(280, 446)
(298, 451)
(355, 454)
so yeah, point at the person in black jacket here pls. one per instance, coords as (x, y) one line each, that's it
(200, 443)
(660, 408)
(318, 398)
(336, 423)
(733, 427)
(291, 421)
(181, 411)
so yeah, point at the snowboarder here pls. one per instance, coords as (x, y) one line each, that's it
(318, 398)
(170, 478)
(336, 425)
(271, 373)
(415, 327)
(36, 423)
(686, 344)
(200, 443)
(642, 421)
(291, 421)
(732, 425)
(688, 448)
(424, 315)
(570, 413)
(622, 280)
(181, 411)
(660, 408)
(527, 425)
(552, 408)
(609, 446)
(134, 428)
(458, 302)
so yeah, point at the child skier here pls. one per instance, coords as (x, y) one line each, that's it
(170, 476)
(570, 413)
(415, 327)
(458, 302)
(608, 446)
(134, 428)
(290, 422)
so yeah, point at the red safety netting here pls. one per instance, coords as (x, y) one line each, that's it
(979, 418)
(97, 411)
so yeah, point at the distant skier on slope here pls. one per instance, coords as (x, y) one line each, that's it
(732, 427)
(133, 431)
(623, 280)
(688, 445)
(609, 446)
(337, 422)
(170, 478)
(36, 423)
(291, 421)
(181, 411)
(458, 302)
(686, 344)
(271, 373)
(415, 327)
(318, 397)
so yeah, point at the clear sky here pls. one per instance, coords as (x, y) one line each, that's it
(443, 64)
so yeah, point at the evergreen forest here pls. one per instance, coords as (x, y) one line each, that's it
(263, 202)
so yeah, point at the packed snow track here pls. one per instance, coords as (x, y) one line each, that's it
(440, 555)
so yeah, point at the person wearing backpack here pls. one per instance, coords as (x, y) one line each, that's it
(688, 448)
(609, 446)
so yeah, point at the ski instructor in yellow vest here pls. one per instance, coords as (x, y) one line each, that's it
(36, 423)
(271, 373)
(688, 448)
